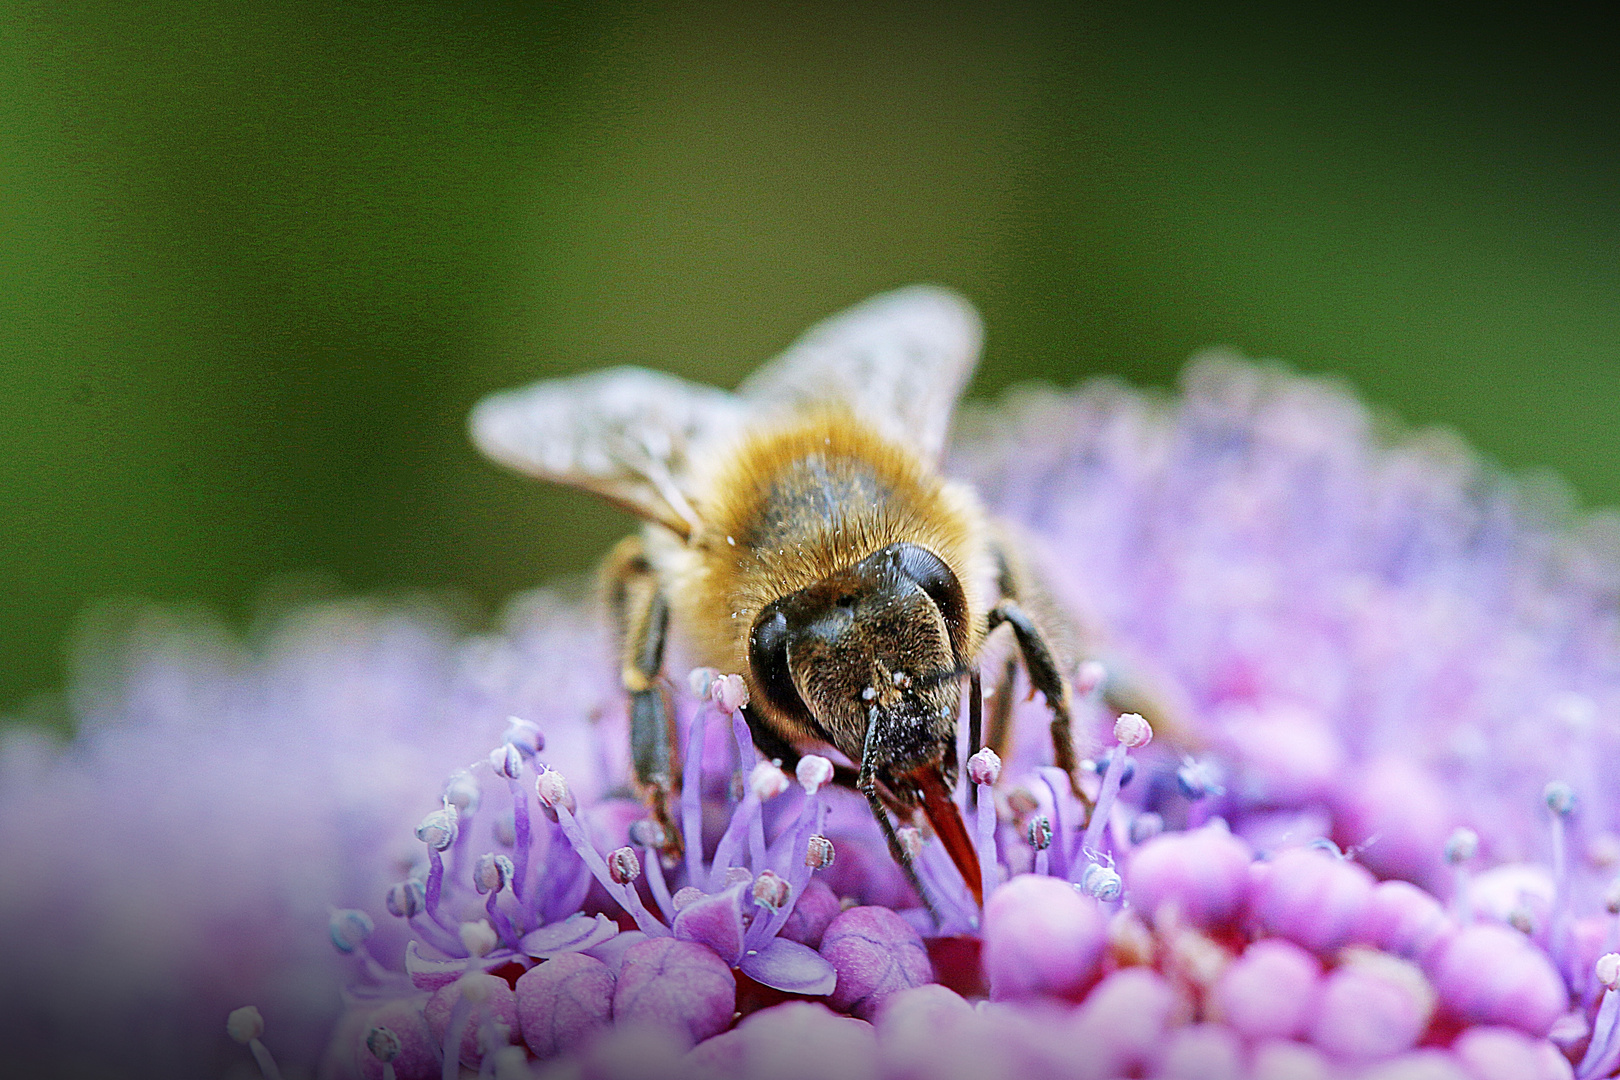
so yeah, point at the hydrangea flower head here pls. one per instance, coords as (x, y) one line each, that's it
(1347, 710)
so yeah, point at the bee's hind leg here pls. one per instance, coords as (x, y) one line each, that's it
(640, 615)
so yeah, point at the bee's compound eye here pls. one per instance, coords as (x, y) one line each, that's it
(935, 578)
(767, 656)
(769, 636)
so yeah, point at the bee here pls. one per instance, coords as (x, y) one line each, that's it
(799, 531)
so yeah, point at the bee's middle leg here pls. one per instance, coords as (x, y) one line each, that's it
(640, 614)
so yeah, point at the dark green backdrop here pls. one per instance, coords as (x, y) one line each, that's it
(259, 260)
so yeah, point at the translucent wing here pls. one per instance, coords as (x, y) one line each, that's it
(625, 434)
(899, 360)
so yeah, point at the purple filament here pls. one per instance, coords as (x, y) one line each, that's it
(435, 888)
(986, 837)
(745, 761)
(1105, 803)
(1057, 782)
(692, 795)
(653, 866)
(498, 919)
(725, 852)
(811, 816)
(455, 1030)
(598, 866)
(1603, 1052)
(520, 838)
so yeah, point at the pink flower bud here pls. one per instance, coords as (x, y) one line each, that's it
(1491, 974)
(876, 953)
(563, 1002)
(1373, 1006)
(1041, 938)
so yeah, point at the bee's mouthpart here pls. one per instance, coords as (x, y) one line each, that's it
(946, 818)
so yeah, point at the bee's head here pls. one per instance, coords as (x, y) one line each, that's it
(874, 645)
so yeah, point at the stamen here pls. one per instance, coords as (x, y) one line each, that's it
(491, 874)
(1102, 882)
(598, 867)
(1560, 799)
(771, 891)
(691, 786)
(1460, 849)
(524, 735)
(1064, 817)
(405, 899)
(729, 692)
(813, 772)
(984, 769)
(349, 929)
(553, 792)
(765, 781)
(437, 831)
(699, 680)
(625, 868)
(819, 854)
(461, 791)
(507, 761)
(385, 1046)
(245, 1025)
(1133, 732)
(1603, 1052)
(522, 837)
(1040, 838)
(650, 837)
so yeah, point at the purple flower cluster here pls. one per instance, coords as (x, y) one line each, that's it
(1366, 831)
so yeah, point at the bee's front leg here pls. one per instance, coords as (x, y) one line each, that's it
(640, 614)
(866, 784)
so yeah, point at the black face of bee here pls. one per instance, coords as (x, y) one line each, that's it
(875, 644)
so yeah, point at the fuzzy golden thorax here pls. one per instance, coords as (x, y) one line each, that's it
(790, 506)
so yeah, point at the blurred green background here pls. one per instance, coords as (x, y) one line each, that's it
(258, 261)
